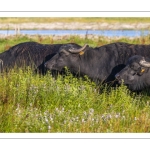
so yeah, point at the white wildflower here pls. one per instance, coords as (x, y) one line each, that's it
(91, 111)
(123, 117)
(109, 116)
(51, 118)
(49, 127)
(63, 109)
(83, 120)
(136, 118)
(85, 113)
(117, 115)
(46, 120)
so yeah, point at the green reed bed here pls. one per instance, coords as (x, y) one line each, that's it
(33, 103)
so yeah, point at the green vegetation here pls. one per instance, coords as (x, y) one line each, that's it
(33, 103)
(75, 19)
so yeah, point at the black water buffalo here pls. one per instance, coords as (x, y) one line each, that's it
(100, 63)
(136, 74)
(31, 54)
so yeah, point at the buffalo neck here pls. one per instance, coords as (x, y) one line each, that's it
(91, 63)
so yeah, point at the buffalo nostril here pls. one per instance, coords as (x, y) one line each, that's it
(45, 64)
(117, 76)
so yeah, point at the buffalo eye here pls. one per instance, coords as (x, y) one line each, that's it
(133, 72)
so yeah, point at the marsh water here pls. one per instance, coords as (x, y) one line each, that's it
(108, 33)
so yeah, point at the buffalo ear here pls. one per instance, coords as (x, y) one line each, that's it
(142, 70)
(81, 53)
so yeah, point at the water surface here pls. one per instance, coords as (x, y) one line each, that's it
(109, 33)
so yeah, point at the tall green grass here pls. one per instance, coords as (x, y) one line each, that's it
(33, 103)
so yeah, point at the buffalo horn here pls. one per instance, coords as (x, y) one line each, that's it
(144, 63)
(78, 50)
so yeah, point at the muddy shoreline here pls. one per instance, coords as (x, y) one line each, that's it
(76, 25)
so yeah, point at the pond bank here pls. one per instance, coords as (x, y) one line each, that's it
(76, 25)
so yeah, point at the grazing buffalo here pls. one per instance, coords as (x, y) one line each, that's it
(101, 64)
(31, 54)
(136, 74)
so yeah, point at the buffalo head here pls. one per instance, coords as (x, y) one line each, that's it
(136, 74)
(67, 56)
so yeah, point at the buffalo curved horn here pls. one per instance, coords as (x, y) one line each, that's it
(144, 63)
(78, 50)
